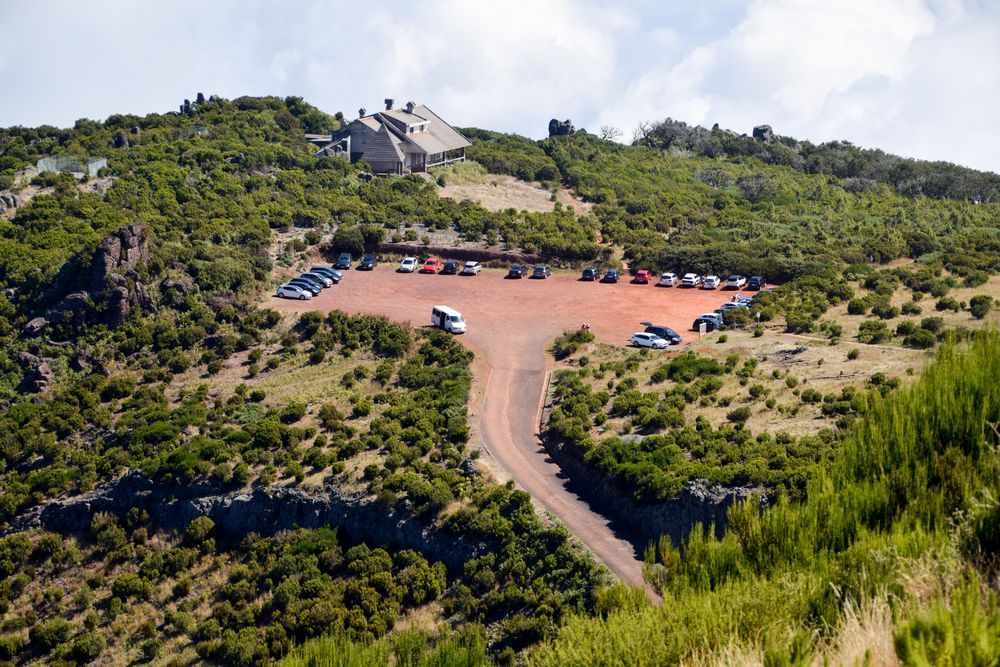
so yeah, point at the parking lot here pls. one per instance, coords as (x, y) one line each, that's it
(504, 314)
(510, 322)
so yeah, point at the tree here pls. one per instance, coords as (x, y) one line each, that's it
(610, 132)
(348, 238)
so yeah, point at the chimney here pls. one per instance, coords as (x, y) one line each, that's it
(388, 103)
(409, 107)
(361, 112)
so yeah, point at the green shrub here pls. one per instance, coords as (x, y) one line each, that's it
(46, 636)
(874, 332)
(948, 303)
(567, 344)
(980, 305)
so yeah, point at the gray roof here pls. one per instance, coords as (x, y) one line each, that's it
(383, 147)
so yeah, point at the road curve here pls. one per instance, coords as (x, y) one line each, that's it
(510, 324)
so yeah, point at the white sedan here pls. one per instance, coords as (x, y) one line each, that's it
(643, 339)
(735, 282)
(293, 292)
(668, 280)
(710, 282)
(690, 280)
(471, 268)
(408, 265)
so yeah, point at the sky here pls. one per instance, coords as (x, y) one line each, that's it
(919, 78)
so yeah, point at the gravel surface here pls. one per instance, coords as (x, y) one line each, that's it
(511, 323)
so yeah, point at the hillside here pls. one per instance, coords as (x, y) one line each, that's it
(187, 475)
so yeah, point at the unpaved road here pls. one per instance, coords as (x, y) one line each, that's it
(510, 324)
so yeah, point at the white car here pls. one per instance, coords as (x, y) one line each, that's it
(668, 280)
(293, 292)
(408, 265)
(690, 280)
(735, 282)
(711, 282)
(643, 339)
(471, 268)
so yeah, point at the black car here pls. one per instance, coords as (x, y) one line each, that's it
(368, 263)
(344, 261)
(335, 276)
(611, 276)
(711, 324)
(307, 285)
(517, 271)
(756, 283)
(666, 333)
(450, 267)
(589, 274)
(541, 271)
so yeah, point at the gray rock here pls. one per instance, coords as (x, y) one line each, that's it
(120, 140)
(8, 201)
(561, 128)
(763, 132)
(34, 328)
(105, 288)
(37, 373)
(264, 511)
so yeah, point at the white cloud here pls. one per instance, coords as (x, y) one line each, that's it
(903, 75)
(916, 77)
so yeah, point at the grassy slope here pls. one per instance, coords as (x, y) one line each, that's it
(900, 515)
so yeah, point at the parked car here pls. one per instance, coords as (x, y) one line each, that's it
(408, 265)
(450, 267)
(756, 283)
(710, 282)
(666, 333)
(517, 271)
(735, 282)
(448, 319)
(325, 281)
(690, 280)
(715, 317)
(589, 274)
(642, 277)
(667, 280)
(307, 285)
(431, 265)
(293, 292)
(344, 261)
(368, 263)
(312, 280)
(611, 276)
(732, 305)
(541, 271)
(643, 339)
(711, 323)
(332, 274)
(471, 268)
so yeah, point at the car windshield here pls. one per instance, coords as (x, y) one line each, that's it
(455, 318)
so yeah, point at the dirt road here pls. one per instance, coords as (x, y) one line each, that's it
(510, 324)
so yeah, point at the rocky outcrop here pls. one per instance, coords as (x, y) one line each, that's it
(120, 140)
(37, 373)
(106, 288)
(559, 128)
(264, 511)
(699, 502)
(764, 133)
(8, 201)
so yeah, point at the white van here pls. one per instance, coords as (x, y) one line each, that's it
(448, 319)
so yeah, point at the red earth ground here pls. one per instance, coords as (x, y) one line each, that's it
(511, 323)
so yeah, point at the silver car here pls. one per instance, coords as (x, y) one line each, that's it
(643, 339)
(471, 268)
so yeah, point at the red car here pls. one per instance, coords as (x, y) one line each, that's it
(642, 277)
(431, 265)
